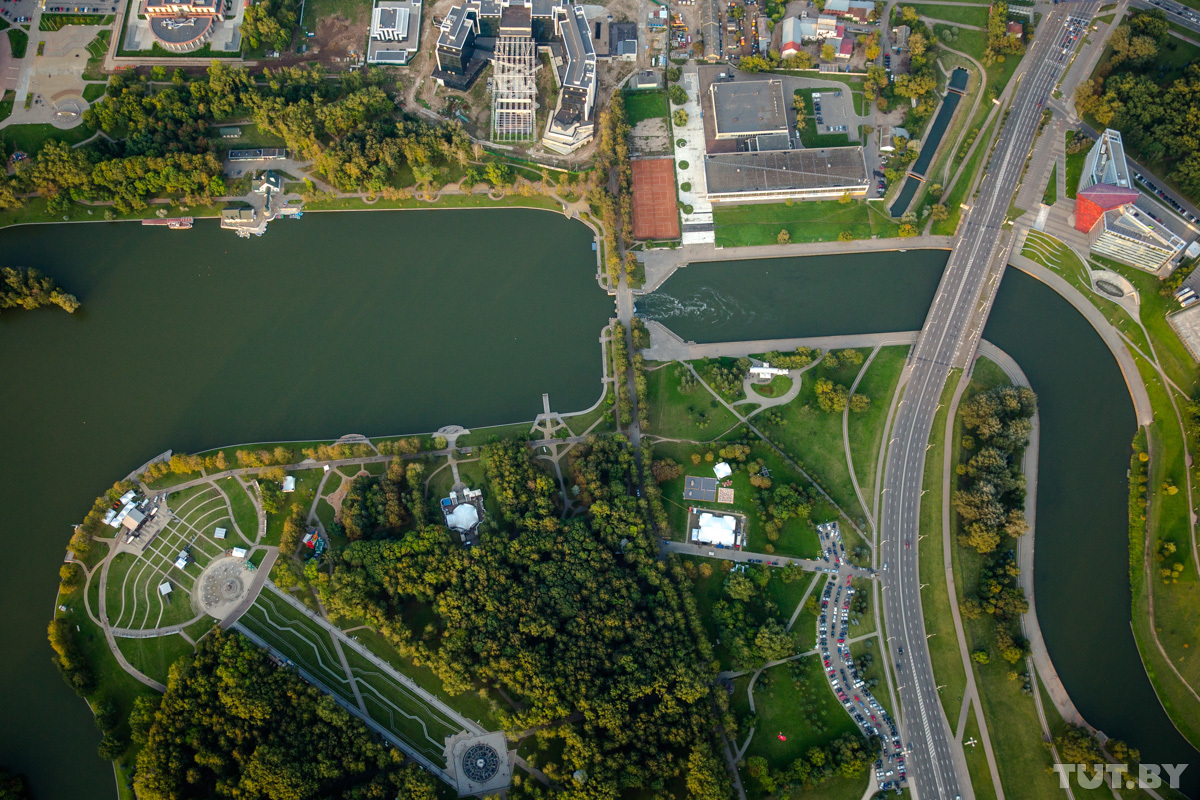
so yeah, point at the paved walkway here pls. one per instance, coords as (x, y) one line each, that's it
(666, 345)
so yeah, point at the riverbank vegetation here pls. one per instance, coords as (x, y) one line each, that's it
(28, 288)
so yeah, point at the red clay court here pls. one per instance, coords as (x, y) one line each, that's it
(655, 214)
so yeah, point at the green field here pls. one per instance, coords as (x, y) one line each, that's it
(960, 14)
(866, 428)
(814, 437)
(153, 657)
(6, 104)
(694, 415)
(54, 22)
(806, 712)
(1050, 196)
(1074, 167)
(311, 647)
(643, 105)
(18, 41)
(807, 221)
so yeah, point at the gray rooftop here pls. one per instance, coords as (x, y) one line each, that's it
(456, 27)
(174, 30)
(786, 170)
(746, 108)
(577, 42)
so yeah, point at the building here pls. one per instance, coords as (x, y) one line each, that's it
(573, 122)
(289, 483)
(748, 108)
(165, 588)
(843, 47)
(238, 552)
(808, 174)
(858, 10)
(463, 511)
(260, 154)
(182, 26)
(1016, 30)
(622, 41)
(646, 79)
(792, 36)
(900, 35)
(181, 560)
(710, 30)
(219, 533)
(230, 132)
(133, 520)
(395, 31)
(763, 26)
(508, 34)
(1119, 222)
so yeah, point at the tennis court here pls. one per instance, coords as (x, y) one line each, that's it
(655, 215)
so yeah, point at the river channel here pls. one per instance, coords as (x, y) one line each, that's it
(373, 323)
(1087, 424)
(384, 323)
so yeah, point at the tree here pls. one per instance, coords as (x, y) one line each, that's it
(859, 402)
(677, 94)
(845, 199)
(827, 52)
(70, 576)
(980, 656)
(872, 51)
(846, 236)
(680, 118)
(784, 237)
(774, 641)
(938, 212)
(739, 587)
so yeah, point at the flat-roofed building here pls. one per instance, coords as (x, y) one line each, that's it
(748, 108)
(573, 122)
(182, 25)
(809, 174)
(395, 31)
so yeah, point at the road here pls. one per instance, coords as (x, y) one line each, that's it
(948, 339)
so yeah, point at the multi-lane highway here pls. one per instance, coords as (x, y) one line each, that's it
(949, 339)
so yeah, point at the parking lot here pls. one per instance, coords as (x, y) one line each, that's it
(835, 112)
(17, 10)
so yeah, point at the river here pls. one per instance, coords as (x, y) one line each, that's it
(374, 323)
(1087, 425)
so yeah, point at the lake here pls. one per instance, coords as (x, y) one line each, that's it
(375, 323)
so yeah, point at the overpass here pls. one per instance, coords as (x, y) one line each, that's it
(949, 339)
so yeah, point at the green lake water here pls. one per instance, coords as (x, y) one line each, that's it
(1087, 424)
(374, 323)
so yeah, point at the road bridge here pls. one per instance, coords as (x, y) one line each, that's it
(948, 339)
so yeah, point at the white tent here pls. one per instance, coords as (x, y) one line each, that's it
(289, 483)
(716, 529)
(464, 517)
(239, 552)
(722, 470)
(164, 588)
(219, 533)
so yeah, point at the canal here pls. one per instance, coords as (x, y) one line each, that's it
(1087, 424)
(373, 323)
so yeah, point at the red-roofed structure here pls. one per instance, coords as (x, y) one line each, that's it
(1016, 30)
(1092, 202)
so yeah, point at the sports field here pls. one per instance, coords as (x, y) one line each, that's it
(655, 214)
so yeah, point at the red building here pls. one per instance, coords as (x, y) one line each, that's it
(1092, 202)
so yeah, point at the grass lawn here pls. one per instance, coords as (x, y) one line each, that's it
(1050, 196)
(973, 43)
(93, 91)
(806, 711)
(244, 513)
(960, 14)
(30, 138)
(641, 105)
(814, 437)
(1074, 167)
(579, 423)
(778, 385)
(478, 436)
(675, 414)
(18, 40)
(6, 104)
(811, 221)
(445, 201)
(977, 766)
(935, 598)
(153, 657)
(866, 428)
(353, 11)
